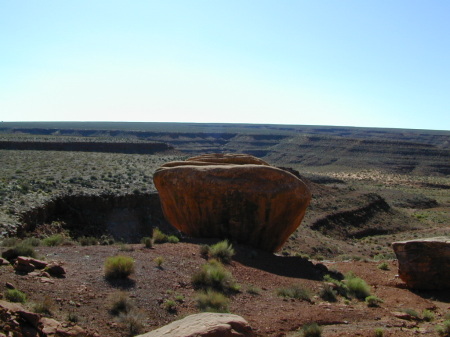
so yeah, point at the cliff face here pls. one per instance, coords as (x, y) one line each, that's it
(112, 147)
(125, 217)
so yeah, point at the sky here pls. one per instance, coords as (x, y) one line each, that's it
(374, 63)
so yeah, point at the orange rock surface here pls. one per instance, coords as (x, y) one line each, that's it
(238, 197)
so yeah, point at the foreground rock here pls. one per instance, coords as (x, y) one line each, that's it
(205, 325)
(18, 321)
(424, 263)
(238, 197)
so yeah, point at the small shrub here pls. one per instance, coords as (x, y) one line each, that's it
(119, 266)
(222, 251)
(159, 261)
(444, 329)
(341, 287)
(158, 236)
(172, 239)
(170, 305)
(252, 290)
(427, 315)
(87, 241)
(373, 301)
(14, 295)
(119, 302)
(126, 248)
(147, 242)
(328, 294)
(10, 242)
(213, 275)
(383, 266)
(295, 292)
(53, 240)
(132, 321)
(204, 251)
(379, 332)
(106, 240)
(411, 312)
(312, 330)
(21, 249)
(357, 287)
(44, 306)
(34, 242)
(179, 298)
(212, 301)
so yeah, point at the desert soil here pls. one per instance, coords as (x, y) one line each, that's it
(84, 291)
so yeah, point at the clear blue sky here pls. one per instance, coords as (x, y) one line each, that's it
(380, 63)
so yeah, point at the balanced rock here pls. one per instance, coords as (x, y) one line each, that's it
(205, 325)
(234, 196)
(424, 263)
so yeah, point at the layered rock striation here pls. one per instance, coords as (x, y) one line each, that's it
(424, 263)
(238, 197)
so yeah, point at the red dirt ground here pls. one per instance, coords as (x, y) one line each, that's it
(84, 291)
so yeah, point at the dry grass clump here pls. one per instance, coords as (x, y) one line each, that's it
(311, 330)
(222, 251)
(119, 267)
(213, 275)
(212, 301)
(295, 292)
(44, 306)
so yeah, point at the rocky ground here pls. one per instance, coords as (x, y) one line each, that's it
(85, 292)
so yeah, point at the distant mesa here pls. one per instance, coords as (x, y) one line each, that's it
(234, 196)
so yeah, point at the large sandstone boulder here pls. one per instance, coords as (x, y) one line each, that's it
(238, 197)
(424, 263)
(205, 325)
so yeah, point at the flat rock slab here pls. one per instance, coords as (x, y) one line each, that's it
(237, 197)
(424, 263)
(205, 325)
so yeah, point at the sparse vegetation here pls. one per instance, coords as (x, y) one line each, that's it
(379, 332)
(383, 266)
(88, 241)
(296, 292)
(159, 237)
(170, 305)
(204, 251)
(159, 260)
(357, 287)
(312, 330)
(328, 294)
(212, 301)
(411, 312)
(53, 240)
(172, 239)
(132, 321)
(15, 295)
(213, 275)
(20, 249)
(373, 301)
(251, 289)
(44, 306)
(428, 315)
(222, 251)
(444, 329)
(119, 302)
(73, 317)
(119, 267)
(147, 242)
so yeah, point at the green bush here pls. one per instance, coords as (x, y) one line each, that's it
(147, 242)
(14, 295)
(213, 275)
(212, 301)
(411, 312)
(444, 329)
(427, 315)
(53, 240)
(383, 266)
(373, 301)
(119, 266)
(170, 305)
(21, 249)
(35, 242)
(328, 294)
(10, 242)
(295, 292)
(357, 287)
(222, 251)
(252, 290)
(159, 237)
(379, 332)
(172, 239)
(88, 241)
(159, 261)
(341, 287)
(204, 251)
(311, 330)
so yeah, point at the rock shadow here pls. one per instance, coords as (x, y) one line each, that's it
(289, 266)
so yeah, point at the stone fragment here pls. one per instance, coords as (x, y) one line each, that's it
(424, 263)
(55, 269)
(205, 325)
(238, 197)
